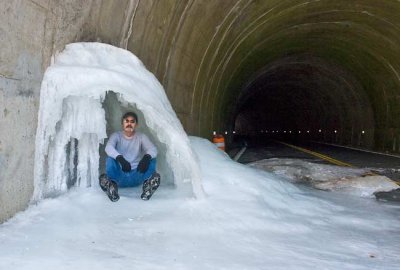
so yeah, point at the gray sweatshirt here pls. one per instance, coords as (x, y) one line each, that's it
(132, 149)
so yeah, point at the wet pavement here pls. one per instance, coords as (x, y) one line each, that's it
(354, 157)
(272, 149)
(378, 163)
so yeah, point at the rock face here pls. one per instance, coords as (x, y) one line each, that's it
(329, 65)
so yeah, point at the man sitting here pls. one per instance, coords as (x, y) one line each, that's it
(131, 161)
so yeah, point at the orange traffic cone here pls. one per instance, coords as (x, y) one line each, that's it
(219, 141)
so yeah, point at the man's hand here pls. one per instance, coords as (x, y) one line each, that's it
(126, 166)
(144, 163)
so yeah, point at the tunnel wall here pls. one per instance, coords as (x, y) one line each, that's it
(31, 31)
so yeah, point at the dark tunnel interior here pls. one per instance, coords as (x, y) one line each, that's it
(305, 98)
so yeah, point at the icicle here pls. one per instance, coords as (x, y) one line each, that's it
(88, 160)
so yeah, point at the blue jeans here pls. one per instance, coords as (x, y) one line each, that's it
(128, 179)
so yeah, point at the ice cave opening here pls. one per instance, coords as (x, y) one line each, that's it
(83, 95)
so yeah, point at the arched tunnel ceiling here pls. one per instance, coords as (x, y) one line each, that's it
(209, 52)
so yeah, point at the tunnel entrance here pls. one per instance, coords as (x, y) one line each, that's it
(303, 98)
(315, 65)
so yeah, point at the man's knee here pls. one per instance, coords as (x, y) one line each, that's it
(153, 164)
(150, 170)
(110, 160)
(112, 166)
(153, 161)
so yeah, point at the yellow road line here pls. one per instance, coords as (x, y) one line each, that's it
(321, 156)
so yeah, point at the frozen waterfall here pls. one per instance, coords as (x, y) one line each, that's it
(72, 121)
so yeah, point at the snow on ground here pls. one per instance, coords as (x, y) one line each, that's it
(249, 219)
(357, 181)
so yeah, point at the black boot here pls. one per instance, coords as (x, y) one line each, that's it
(112, 191)
(109, 187)
(103, 182)
(150, 186)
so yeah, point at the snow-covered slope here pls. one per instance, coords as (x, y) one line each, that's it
(248, 220)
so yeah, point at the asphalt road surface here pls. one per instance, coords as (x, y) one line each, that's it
(382, 164)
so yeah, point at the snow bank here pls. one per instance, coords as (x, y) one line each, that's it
(358, 182)
(250, 219)
(72, 122)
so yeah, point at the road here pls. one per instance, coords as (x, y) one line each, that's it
(327, 154)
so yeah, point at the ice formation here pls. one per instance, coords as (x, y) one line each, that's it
(72, 121)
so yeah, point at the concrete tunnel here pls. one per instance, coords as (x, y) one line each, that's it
(244, 65)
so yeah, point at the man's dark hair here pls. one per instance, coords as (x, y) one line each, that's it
(132, 114)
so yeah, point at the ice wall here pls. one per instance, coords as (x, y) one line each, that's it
(72, 121)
